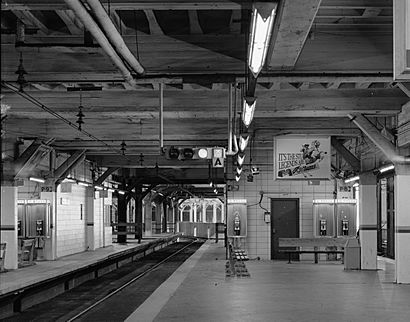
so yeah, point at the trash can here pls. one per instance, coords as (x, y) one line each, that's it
(352, 254)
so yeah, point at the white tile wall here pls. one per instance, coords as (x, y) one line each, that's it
(258, 239)
(71, 228)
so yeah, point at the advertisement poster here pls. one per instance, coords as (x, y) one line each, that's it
(302, 157)
(236, 218)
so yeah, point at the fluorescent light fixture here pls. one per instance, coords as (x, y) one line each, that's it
(248, 110)
(111, 189)
(240, 159)
(68, 180)
(356, 185)
(243, 142)
(355, 178)
(386, 168)
(238, 171)
(85, 184)
(161, 194)
(98, 188)
(263, 16)
(121, 192)
(237, 178)
(37, 179)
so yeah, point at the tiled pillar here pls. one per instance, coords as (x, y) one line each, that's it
(50, 242)
(9, 225)
(148, 218)
(402, 222)
(122, 219)
(89, 217)
(368, 221)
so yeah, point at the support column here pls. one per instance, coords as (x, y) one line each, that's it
(122, 219)
(89, 218)
(402, 222)
(148, 218)
(8, 225)
(368, 221)
(192, 213)
(138, 213)
(164, 217)
(158, 215)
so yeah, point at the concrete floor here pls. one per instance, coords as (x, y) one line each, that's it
(276, 291)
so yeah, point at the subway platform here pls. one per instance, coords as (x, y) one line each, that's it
(66, 272)
(275, 291)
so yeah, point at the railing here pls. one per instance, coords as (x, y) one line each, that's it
(203, 230)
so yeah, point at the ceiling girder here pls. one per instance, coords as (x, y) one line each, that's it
(76, 158)
(346, 154)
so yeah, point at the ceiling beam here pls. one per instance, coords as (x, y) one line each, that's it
(289, 35)
(29, 159)
(236, 22)
(384, 145)
(346, 154)
(31, 21)
(405, 87)
(194, 25)
(119, 24)
(356, 4)
(76, 158)
(105, 175)
(154, 27)
(73, 24)
(134, 5)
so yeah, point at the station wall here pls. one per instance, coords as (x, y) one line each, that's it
(258, 239)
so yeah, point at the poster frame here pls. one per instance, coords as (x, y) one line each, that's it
(307, 138)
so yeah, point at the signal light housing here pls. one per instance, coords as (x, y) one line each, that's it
(186, 153)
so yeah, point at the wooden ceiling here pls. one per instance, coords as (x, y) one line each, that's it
(326, 59)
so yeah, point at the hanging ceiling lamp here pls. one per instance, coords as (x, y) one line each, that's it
(240, 159)
(243, 142)
(263, 16)
(248, 110)
(238, 171)
(80, 114)
(21, 72)
(123, 147)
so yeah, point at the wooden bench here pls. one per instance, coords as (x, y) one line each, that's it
(312, 245)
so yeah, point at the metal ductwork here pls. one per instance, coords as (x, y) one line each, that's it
(82, 13)
(114, 36)
(387, 148)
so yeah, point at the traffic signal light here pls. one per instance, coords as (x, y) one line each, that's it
(180, 153)
(174, 153)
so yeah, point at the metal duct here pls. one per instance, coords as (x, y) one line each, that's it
(114, 36)
(388, 149)
(99, 36)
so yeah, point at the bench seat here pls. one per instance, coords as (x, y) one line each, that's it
(315, 243)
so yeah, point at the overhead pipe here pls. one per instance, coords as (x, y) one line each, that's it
(81, 12)
(387, 148)
(114, 36)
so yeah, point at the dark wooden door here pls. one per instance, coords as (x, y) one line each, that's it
(284, 223)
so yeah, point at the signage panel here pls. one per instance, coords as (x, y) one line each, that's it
(302, 157)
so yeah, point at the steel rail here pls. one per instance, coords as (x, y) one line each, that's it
(78, 315)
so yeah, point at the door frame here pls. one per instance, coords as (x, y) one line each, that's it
(272, 246)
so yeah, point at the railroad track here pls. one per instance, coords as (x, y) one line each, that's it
(115, 295)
